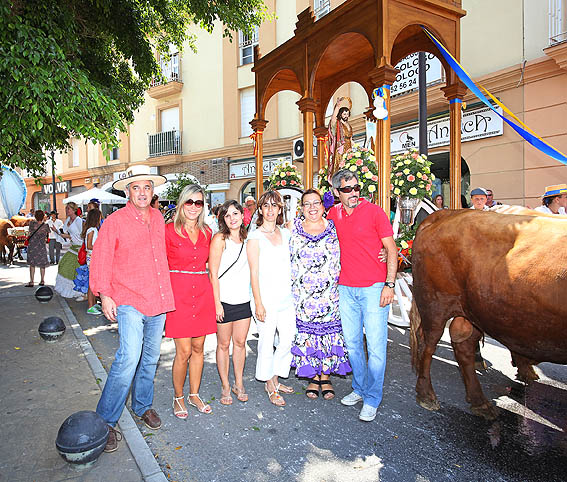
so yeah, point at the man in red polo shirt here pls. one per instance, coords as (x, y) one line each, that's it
(129, 270)
(366, 288)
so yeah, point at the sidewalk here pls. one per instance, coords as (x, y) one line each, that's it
(42, 384)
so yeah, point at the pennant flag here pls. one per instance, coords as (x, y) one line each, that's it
(522, 129)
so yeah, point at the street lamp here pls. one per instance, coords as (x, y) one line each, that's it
(53, 180)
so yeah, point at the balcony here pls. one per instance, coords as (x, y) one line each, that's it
(166, 143)
(171, 83)
(321, 8)
(557, 22)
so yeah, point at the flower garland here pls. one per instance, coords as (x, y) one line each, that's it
(360, 161)
(285, 174)
(411, 175)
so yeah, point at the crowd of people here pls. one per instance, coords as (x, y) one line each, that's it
(315, 287)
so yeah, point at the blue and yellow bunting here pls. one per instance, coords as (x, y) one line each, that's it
(516, 124)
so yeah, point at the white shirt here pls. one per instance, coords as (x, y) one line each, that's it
(234, 285)
(546, 210)
(74, 229)
(274, 271)
(57, 224)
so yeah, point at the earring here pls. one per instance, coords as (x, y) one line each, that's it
(325, 214)
(302, 217)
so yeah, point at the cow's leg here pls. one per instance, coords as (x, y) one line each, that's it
(425, 395)
(479, 363)
(464, 338)
(526, 372)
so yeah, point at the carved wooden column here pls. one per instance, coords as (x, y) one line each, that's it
(455, 93)
(321, 133)
(384, 77)
(259, 125)
(307, 106)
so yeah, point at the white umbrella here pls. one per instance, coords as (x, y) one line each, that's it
(104, 197)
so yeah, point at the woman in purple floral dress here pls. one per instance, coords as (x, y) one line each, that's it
(319, 347)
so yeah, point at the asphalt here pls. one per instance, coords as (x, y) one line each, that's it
(308, 440)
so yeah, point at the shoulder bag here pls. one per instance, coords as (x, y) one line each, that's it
(237, 258)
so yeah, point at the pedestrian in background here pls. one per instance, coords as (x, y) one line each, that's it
(89, 235)
(187, 242)
(55, 240)
(554, 200)
(230, 277)
(270, 277)
(130, 273)
(37, 253)
(71, 231)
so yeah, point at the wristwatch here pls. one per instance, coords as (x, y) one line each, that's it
(390, 284)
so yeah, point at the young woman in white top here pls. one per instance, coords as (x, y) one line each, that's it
(92, 224)
(270, 276)
(230, 277)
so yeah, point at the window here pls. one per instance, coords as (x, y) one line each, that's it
(76, 160)
(247, 109)
(246, 44)
(321, 8)
(557, 21)
(169, 119)
(115, 152)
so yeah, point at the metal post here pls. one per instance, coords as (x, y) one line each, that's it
(53, 180)
(422, 103)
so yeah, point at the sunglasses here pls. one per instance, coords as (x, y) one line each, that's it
(348, 189)
(197, 203)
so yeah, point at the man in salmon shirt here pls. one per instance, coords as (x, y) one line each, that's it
(366, 288)
(129, 269)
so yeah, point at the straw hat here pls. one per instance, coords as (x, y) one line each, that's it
(556, 190)
(138, 172)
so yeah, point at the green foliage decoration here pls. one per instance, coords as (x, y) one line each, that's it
(79, 68)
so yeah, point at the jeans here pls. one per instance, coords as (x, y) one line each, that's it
(360, 307)
(54, 250)
(135, 364)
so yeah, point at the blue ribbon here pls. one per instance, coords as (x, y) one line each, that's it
(535, 141)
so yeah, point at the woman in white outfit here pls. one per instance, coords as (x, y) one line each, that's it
(230, 277)
(270, 277)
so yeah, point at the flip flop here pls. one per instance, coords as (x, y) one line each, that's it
(284, 388)
(240, 394)
(29, 285)
(225, 399)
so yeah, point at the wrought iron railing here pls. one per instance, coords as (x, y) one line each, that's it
(557, 22)
(321, 8)
(164, 143)
(170, 70)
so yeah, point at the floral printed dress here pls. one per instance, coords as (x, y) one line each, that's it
(319, 346)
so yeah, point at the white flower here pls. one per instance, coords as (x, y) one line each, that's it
(371, 188)
(352, 168)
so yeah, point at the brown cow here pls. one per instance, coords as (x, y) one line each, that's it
(20, 221)
(6, 242)
(504, 274)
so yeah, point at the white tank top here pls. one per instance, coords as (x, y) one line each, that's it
(234, 286)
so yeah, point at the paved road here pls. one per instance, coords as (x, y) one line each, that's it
(324, 441)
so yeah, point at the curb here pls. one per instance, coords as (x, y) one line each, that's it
(145, 460)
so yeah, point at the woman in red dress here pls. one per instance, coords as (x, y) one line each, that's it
(187, 241)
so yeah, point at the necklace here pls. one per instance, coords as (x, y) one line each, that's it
(268, 232)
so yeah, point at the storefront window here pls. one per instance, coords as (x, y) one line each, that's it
(249, 189)
(41, 201)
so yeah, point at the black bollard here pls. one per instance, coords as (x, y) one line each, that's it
(51, 329)
(44, 294)
(82, 438)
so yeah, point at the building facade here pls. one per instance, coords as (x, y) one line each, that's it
(198, 119)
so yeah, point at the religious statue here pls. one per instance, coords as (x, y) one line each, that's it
(340, 134)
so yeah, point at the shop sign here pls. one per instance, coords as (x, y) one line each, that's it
(408, 75)
(476, 124)
(243, 170)
(60, 187)
(122, 174)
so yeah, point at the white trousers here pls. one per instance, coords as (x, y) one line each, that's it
(272, 362)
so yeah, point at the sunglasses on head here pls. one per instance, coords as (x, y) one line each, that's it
(197, 203)
(348, 189)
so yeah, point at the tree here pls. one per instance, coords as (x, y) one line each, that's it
(79, 68)
(174, 190)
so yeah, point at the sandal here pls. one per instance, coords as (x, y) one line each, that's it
(41, 283)
(29, 285)
(329, 391)
(240, 394)
(225, 399)
(311, 393)
(205, 408)
(182, 414)
(284, 388)
(277, 399)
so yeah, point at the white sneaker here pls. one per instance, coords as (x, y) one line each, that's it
(368, 413)
(351, 399)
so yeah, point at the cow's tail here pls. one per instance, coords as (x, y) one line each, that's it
(417, 341)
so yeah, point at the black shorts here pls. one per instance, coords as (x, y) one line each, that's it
(236, 312)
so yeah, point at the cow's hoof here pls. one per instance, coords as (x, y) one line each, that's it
(486, 411)
(432, 405)
(480, 366)
(527, 376)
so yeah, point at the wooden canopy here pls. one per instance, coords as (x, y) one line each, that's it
(359, 41)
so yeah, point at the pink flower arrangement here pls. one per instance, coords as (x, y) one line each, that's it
(365, 169)
(375, 178)
(411, 178)
(284, 183)
(359, 162)
(424, 177)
